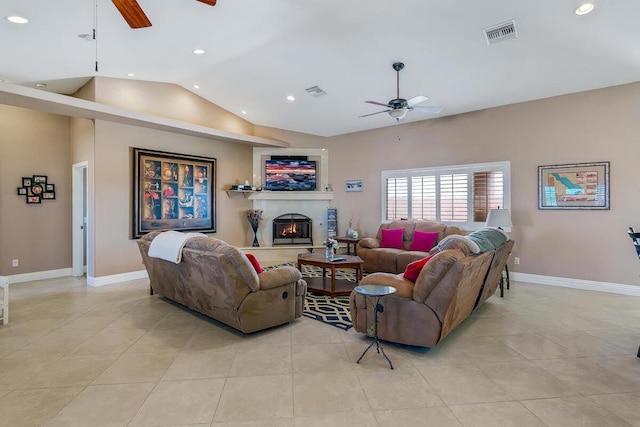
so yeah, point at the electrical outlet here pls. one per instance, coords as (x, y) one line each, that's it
(516, 260)
(14, 263)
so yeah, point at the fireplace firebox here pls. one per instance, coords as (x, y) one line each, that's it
(292, 229)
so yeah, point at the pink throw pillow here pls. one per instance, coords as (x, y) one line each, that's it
(423, 240)
(414, 268)
(392, 238)
(254, 262)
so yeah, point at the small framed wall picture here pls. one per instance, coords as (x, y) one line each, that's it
(37, 189)
(39, 179)
(26, 182)
(50, 188)
(22, 191)
(33, 200)
(49, 195)
(353, 185)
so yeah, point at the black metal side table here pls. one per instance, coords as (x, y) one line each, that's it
(375, 292)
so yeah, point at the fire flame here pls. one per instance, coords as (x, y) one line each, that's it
(289, 230)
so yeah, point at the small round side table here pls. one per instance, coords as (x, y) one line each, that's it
(375, 292)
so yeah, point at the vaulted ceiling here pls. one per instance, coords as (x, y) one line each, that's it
(259, 52)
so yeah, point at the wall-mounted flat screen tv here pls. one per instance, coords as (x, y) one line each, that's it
(290, 175)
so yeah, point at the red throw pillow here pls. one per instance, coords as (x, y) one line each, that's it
(423, 240)
(414, 268)
(254, 262)
(392, 238)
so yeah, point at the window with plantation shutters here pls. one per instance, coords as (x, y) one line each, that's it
(461, 195)
(423, 197)
(454, 197)
(397, 198)
(488, 193)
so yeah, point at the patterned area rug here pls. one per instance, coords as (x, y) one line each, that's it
(333, 311)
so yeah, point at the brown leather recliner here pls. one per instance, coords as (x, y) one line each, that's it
(217, 280)
(448, 289)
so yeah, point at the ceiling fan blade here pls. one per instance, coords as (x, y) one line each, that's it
(132, 13)
(417, 100)
(425, 109)
(209, 2)
(373, 114)
(377, 103)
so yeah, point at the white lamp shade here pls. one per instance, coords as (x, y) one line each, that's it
(499, 218)
(399, 113)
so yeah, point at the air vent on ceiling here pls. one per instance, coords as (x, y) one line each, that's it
(315, 91)
(497, 33)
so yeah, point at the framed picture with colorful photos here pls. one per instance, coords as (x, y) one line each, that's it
(173, 191)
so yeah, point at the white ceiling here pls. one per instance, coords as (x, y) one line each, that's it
(258, 52)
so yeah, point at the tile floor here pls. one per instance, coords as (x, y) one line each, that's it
(114, 356)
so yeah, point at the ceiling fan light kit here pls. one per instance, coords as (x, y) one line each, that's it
(399, 113)
(399, 107)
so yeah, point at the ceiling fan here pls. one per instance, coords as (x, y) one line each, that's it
(135, 16)
(399, 107)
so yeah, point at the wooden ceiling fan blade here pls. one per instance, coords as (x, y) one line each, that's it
(377, 103)
(373, 114)
(132, 13)
(209, 2)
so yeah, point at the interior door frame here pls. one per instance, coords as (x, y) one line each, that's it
(79, 197)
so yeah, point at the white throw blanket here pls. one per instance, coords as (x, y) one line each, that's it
(168, 245)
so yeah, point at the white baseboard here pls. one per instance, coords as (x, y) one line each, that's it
(37, 275)
(586, 285)
(116, 278)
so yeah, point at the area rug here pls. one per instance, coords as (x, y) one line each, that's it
(333, 311)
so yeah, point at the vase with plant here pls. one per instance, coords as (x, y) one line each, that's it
(351, 232)
(330, 245)
(255, 216)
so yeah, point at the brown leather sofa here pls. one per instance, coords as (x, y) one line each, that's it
(448, 289)
(392, 260)
(217, 280)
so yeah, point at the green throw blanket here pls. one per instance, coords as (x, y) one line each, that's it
(488, 238)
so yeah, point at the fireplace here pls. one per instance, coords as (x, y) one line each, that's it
(292, 229)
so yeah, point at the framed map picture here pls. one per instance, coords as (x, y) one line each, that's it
(574, 186)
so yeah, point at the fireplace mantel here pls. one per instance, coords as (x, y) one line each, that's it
(291, 195)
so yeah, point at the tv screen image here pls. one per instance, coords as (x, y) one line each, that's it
(290, 175)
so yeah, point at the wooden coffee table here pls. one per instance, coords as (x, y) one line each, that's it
(330, 285)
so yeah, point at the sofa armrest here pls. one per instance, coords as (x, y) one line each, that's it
(270, 279)
(404, 287)
(369, 242)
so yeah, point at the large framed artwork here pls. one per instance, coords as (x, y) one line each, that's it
(574, 186)
(173, 192)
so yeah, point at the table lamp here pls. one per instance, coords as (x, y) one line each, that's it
(499, 218)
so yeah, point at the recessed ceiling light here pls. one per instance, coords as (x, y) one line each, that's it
(291, 98)
(196, 87)
(41, 85)
(198, 51)
(16, 19)
(1, 80)
(243, 112)
(130, 74)
(585, 8)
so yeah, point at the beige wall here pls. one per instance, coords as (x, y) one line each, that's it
(31, 143)
(115, 251)
(167, 100)
(601, 125)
